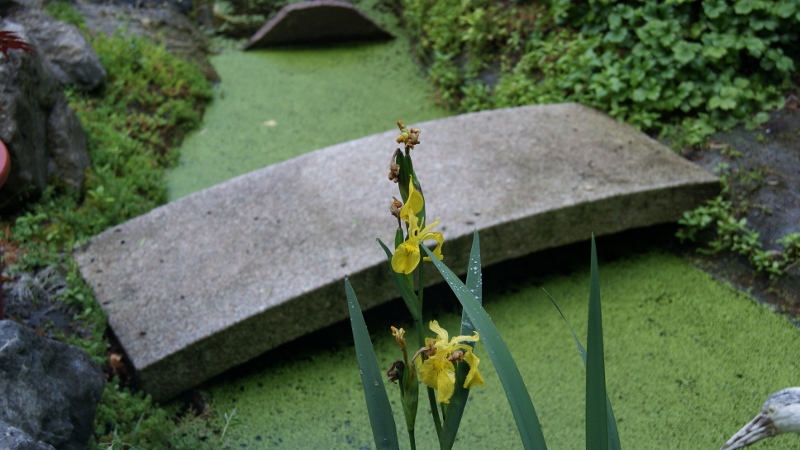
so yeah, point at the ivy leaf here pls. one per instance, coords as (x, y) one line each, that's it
(754, 45)
(760, 23)
(731, 92)
(784, 9)
(782, 62)
(741, 82)
(761, 118)
(614, 21)
(685, 89)
(726, 40)
(685, 52)
(714, 52)
(616, 36)
(713, 8)
(637, 76)
(785, 64)
(744, 7)
(615, 84)
(721, 103)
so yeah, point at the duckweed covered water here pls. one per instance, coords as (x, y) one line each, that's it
(273, 105)
(688, 360)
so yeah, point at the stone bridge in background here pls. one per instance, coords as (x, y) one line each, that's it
(216, 278)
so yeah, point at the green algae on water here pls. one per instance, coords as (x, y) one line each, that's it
(688, 360)
(273, 105)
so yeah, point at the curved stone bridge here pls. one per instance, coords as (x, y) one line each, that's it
(213, 279)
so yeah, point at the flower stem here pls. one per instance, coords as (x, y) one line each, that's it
(437, 422)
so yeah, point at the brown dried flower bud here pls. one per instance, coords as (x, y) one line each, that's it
(394, 172)
(395, 209)
(456, 356)
(413, 137)
(395, 371)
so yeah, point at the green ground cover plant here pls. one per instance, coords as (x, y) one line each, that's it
(685, 68)
(720, 221)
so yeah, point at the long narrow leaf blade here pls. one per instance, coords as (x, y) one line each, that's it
(596, 409)
(455, 410)
(530, 430)
(381, 419)
(613, 434)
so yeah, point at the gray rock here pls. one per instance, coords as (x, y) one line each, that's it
(72, 59)
(50, 390)
(43, 136)
(317, 21)
(215, 278)
(12, 438)
(66, 142)
(163, 26)
(9, 6)
(6, 5)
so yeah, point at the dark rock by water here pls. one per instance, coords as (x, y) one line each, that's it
(317, 21)
(50, 389)
(43, 136)
(71, 58)
(12, 438)
(9, 6)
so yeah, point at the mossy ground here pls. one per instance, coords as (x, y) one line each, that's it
(688, 360)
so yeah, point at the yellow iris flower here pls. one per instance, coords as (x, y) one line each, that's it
(406, 257)
(414, 203)
(439, 372)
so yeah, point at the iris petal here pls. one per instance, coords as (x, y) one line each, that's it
(414, 202)
(406, 258)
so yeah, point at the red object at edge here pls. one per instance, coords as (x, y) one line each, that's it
(5, 164)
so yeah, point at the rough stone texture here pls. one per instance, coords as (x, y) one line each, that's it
(163, 26)
(215, 278)
(49, 390)
(66, 145)
(12, 438)
(72, 59)
(8, 6)
(43, 136)
(315, 21)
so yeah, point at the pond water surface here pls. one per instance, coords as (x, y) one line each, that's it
(273, 105)
(689, 361)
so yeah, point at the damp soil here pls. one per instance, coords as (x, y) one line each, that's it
(763, 169)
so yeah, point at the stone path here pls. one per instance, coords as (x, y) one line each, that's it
(216, 278)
